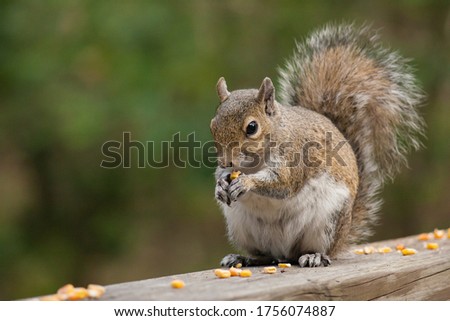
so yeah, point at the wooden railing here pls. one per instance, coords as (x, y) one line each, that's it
(391, 276)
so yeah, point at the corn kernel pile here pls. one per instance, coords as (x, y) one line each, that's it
(371, 250)
(222, 274)
(235, 271)
(70, 293)
(232, 271)
(436, 235)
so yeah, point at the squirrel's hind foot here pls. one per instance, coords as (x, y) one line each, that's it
(314, 260)
(234, 259)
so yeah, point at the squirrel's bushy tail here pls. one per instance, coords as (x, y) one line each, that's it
(371, 96)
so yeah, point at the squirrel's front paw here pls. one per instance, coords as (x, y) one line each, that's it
(221, 191)
(239, 187)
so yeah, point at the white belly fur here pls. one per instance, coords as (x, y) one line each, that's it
(274, 227)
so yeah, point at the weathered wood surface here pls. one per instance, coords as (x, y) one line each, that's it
(391, 276)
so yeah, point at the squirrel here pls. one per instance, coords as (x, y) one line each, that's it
(313, 162)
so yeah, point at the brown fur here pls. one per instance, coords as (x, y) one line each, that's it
(340, 82)
(369, 94)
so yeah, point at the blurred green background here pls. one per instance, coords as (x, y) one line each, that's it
(75, 74)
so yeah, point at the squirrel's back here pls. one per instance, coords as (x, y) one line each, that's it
(370, 95)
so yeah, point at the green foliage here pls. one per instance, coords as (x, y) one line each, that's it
(75, 74)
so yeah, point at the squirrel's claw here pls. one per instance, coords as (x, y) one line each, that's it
(221, 191)
(237, 188)
(232, 260)
(314, 260)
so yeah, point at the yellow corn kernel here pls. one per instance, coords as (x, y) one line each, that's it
(400, 247)
(78, 294)
(359, 251)
(65, 289)
(270, 270)
(239, 265)
(284, 265)
(369, 250)
(245, 273)
(177, 284)
(438, 234)
(222, 274)
(408, 251)
(95, 291)
(432, 246)
(448, 233)
(234, 175)
(52, 297)
(385, 249)
(64, 292)
(423, 237)
(234, 271)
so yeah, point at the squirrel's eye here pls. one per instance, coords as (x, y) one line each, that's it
(252, 128)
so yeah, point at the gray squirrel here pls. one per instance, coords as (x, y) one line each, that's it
(342, 94)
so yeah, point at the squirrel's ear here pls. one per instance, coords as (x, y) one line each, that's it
(222, 90)
(266, 95)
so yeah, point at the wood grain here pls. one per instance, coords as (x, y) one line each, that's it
(391, 276)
